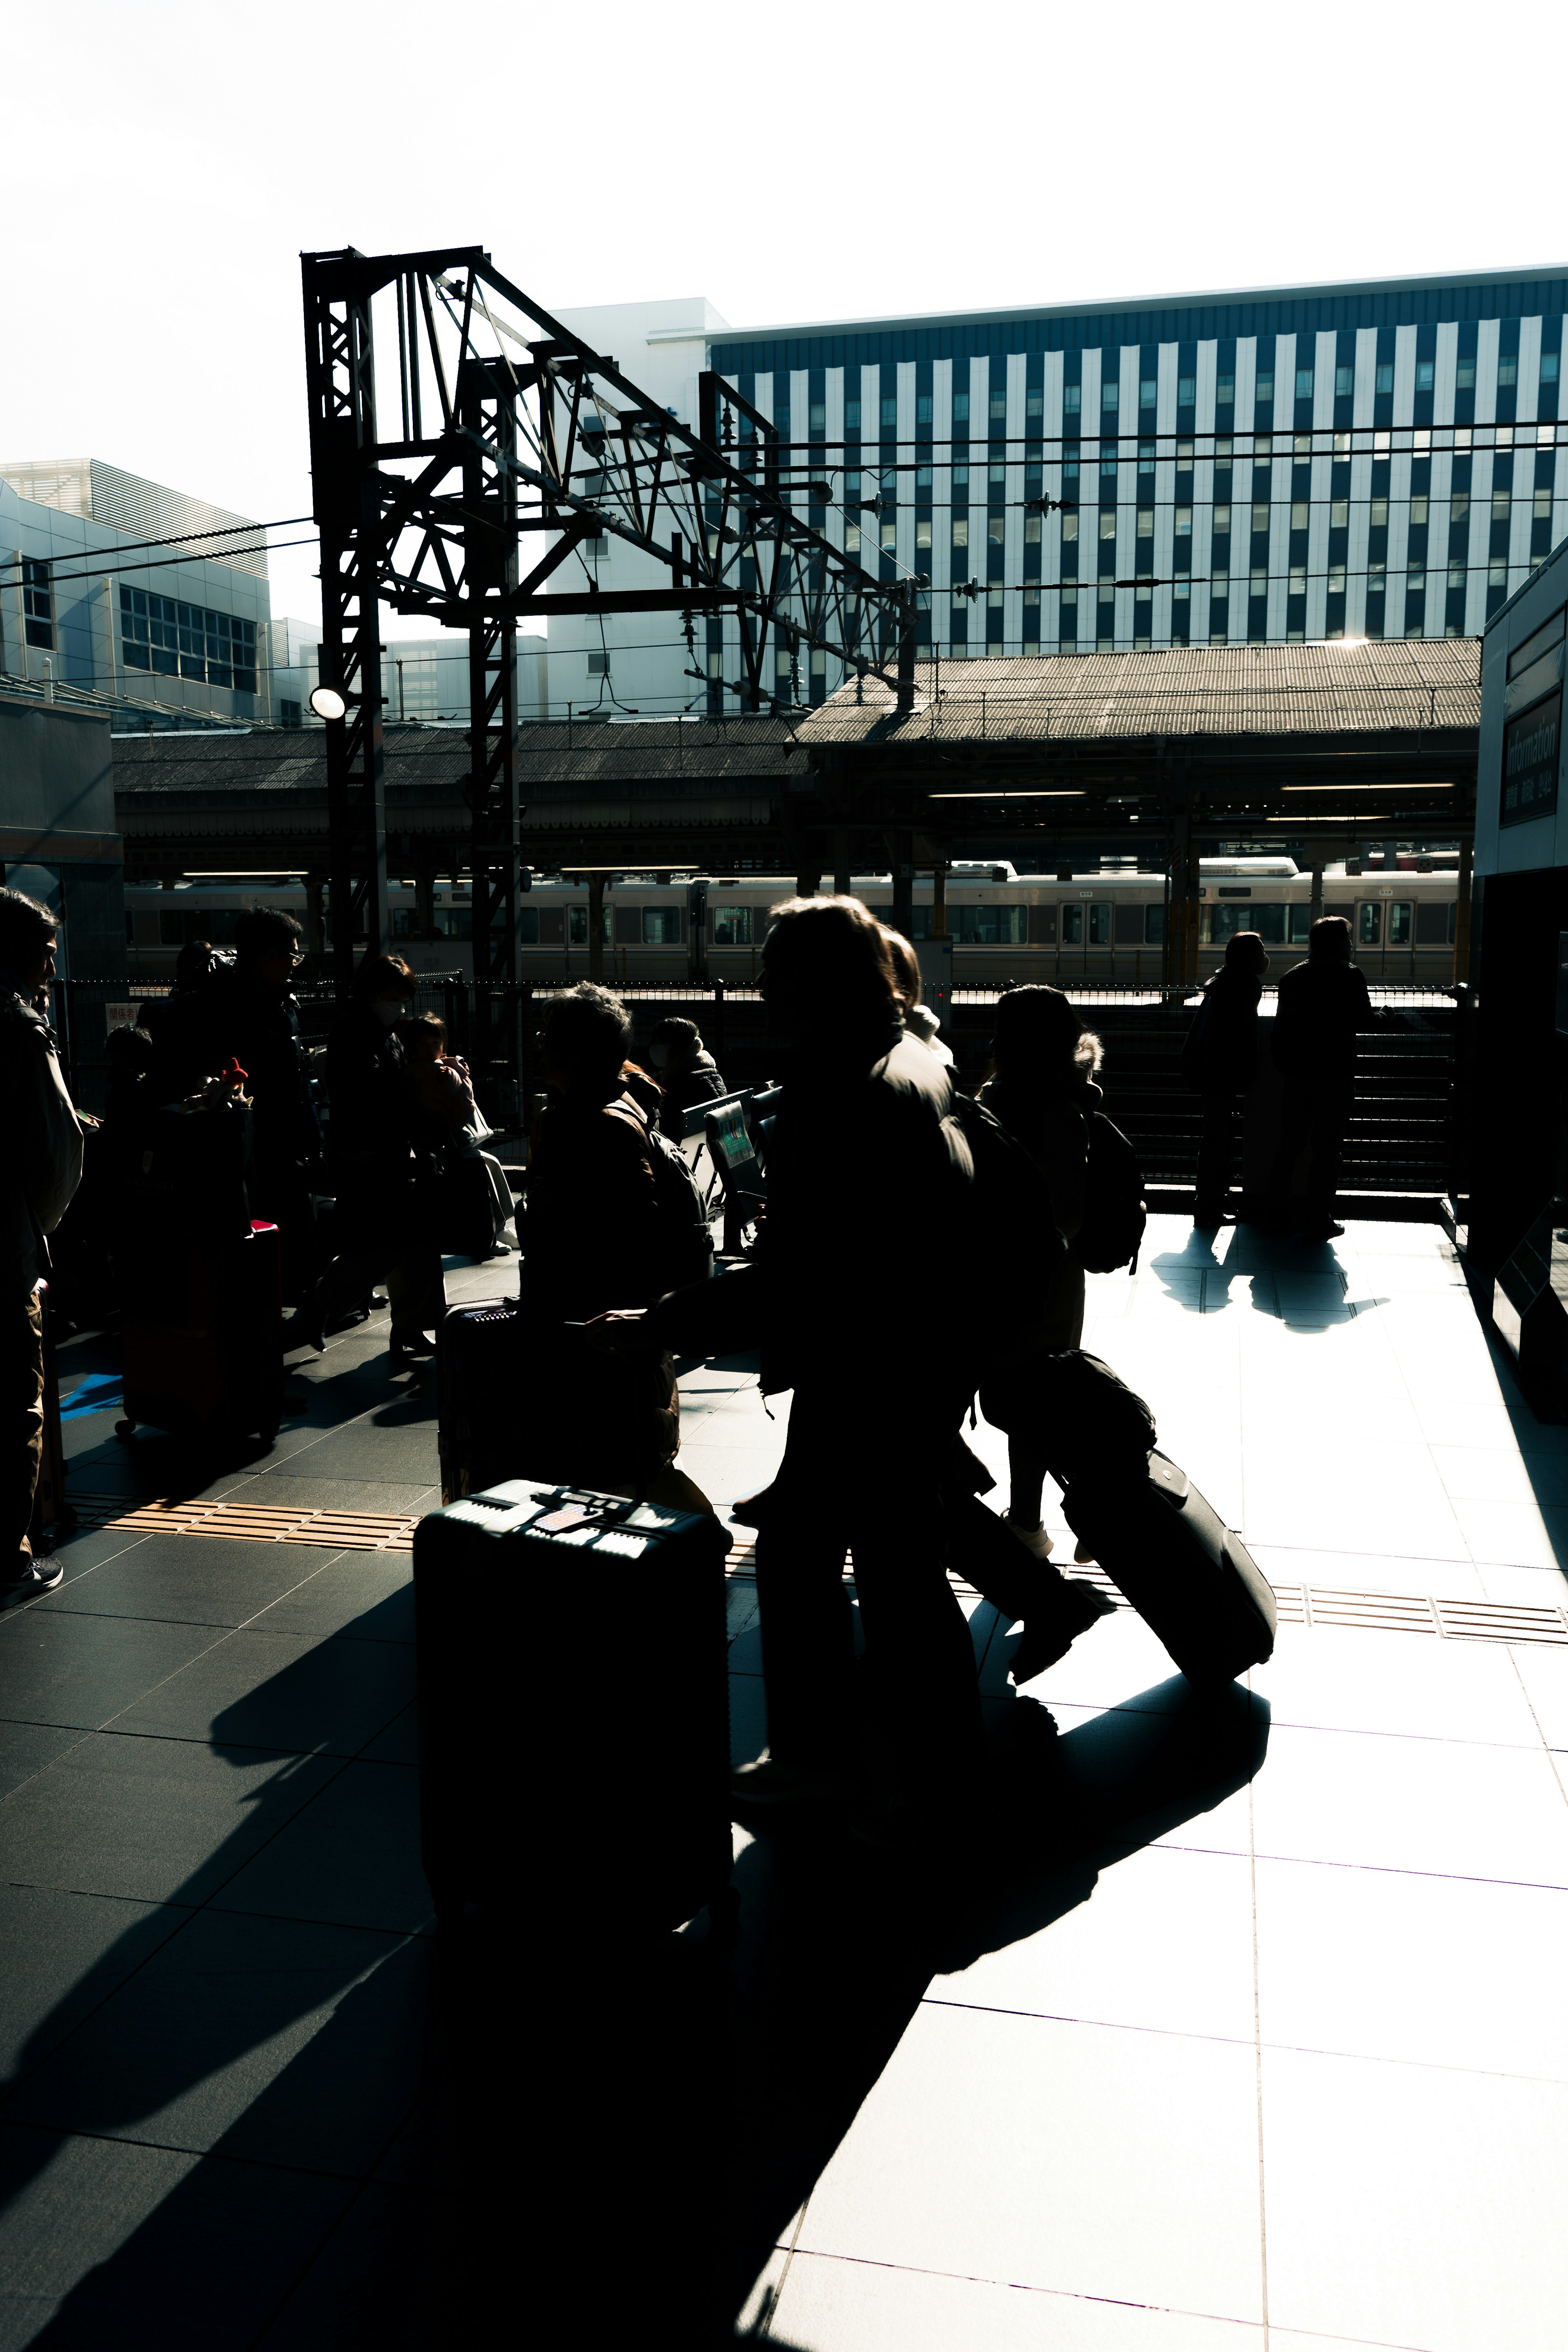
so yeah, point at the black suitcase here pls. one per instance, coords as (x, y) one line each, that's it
(519, 1398)
(202, 1337)
(1190, 1578)
(614, 1798)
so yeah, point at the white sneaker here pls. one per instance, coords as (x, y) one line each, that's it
(1033, 1538)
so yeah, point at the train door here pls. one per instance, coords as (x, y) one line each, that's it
(1399, 932)
(1369, 932)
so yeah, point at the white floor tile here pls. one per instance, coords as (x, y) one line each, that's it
(1130, 2168)
(833, 2305)
(1430, 1972)
(1415, 2207)
(1440, 1807)
(1162, 1942)
(1333, 1678)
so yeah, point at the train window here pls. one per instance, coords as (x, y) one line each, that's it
(1155, 927)
(1072, 926)
(577, 926)
(1369, 923)
(988, 927)
(732, 926)
(1301, 925)
(172, 927)
(528, 927)
(455, 922)
(1129, 926)
(402, 923)
(1435, 924)
(1399, 932)
(1266, 917)
(661, 927)
(1099, 927)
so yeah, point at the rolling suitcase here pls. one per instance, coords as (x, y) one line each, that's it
(617, 1800)
(202, 1338)
(1190, 1578)
(517, 1399)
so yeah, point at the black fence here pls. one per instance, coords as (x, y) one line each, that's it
(1403, 1140)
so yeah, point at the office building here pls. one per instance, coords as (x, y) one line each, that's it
(1278, 464)
(171, 633)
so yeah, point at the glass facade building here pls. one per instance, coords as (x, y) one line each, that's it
(1375, 458)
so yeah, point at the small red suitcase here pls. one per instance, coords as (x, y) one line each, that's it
(203, 1340)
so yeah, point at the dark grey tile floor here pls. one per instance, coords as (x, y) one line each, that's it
(215, 2009)
(1275, 2055)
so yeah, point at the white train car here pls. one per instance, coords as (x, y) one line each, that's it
(1096, 930)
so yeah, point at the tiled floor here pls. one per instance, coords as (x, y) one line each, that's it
(1232, 2024)
(1286, 2064)
(216, 2002)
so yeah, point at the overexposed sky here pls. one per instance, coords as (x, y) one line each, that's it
(164, 164)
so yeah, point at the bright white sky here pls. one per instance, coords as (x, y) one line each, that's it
(163, 166)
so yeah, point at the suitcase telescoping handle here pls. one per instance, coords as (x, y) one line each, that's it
(640, 1487)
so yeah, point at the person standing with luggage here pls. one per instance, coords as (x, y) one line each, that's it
(611, 1218)
(382, 1213)
(1324, 1006)
(686, 1071)
(40, 1173)
(1218, 1060)
(1042, 1089)
(246, 1012)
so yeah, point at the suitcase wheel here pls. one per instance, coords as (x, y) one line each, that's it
(125, 1431)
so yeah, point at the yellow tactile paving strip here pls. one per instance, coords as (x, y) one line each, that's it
(392, 1531)
(253, 1523)
(1321, 1605)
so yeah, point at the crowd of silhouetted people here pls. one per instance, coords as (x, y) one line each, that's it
(915, 1248)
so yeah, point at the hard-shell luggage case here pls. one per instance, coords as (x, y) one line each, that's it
(1190, 1579)
(613, 1796)
(202, 1338)
(519, 1400)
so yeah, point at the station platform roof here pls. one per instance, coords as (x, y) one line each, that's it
(1355, 733)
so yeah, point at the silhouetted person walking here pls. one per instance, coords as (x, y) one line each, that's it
(1219, 1060)
(861, 1473)
(1323, 1007)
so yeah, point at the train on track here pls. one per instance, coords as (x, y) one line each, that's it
(1105, 928)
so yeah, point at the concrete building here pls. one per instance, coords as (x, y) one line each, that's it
(1377, 458)
(171, 633)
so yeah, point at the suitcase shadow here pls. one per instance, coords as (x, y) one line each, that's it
(837, 1952)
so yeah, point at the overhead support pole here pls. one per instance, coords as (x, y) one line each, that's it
(340, 377)
(486, 408)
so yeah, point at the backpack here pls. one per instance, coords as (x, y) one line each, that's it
(685, 1248)
(1111, 1233)
(1013, 1228)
